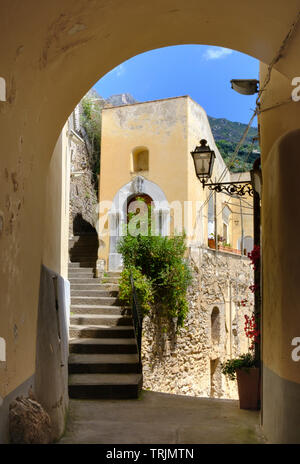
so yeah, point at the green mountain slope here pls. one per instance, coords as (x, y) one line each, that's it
(227, 134)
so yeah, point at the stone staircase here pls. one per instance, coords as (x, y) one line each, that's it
(103, 360)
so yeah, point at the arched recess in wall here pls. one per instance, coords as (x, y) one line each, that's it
(118, 213)
(215, 325)
(139, 159)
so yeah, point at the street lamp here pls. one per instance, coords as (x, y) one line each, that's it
(204, 158)
(245, 86)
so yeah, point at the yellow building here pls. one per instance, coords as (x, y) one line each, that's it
(145, 150)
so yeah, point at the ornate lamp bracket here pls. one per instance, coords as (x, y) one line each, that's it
(232, 188)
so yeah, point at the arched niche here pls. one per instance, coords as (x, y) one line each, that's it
(215, 325)
(139, 159)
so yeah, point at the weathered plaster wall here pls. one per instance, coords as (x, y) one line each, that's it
(52, 350)
(198, 127)
(169, 130)
(56, 213)
(281, 315)
(281, 118)
(280, 220)
(189, 363)
(161, 127)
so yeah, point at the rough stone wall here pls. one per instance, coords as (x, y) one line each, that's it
(189, 363)
(83, 197)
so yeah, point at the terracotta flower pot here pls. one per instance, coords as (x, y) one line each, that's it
(211, 243)
(248, 380)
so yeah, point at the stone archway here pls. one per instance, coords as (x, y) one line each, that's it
(48, 72)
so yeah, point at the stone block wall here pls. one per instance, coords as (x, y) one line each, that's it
(83, 196)
(188, 363)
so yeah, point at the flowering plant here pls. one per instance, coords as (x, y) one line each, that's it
(254, 255)
(252, 330)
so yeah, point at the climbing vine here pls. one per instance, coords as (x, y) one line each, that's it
(91, 128)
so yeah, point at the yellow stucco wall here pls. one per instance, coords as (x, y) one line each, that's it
(280, 223)
(56, 214)
(161, 127)
(169, 129)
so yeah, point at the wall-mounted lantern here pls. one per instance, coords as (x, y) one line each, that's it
(203, 158)
(245, 86)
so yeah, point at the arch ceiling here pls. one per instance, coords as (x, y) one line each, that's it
(76, 43)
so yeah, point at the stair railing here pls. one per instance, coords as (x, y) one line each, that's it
(137, 318)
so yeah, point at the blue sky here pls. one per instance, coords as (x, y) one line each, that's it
(203, 72)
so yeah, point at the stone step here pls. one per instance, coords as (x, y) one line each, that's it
(83, 258)
(95, 300)
(98, 310)
(83, 270)
(81, 265)
(103, 345)
(103, 363)
(110, 320)
(94, 293)
(96, 386)
(114, 280)
(112, 273)
(83, 252)
(92, 286)
(89, 274)
(86, 280)
(101, 331)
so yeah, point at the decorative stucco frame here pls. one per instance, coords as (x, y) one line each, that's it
(118, 214)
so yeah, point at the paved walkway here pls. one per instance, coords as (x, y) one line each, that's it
(158, 418)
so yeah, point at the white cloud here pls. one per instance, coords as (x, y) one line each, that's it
(119, 70)
(215, 53)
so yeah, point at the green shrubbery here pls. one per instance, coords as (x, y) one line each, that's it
(160, 270)
(243, 361)
(143, 288)
(91, 123)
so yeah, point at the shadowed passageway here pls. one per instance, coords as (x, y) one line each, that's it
(161, 418)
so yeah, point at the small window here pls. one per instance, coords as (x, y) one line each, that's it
(140, 160)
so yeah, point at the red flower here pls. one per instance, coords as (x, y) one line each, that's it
(252, 330)
(254, 255)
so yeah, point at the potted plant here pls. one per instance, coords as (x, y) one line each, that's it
(211, 241)
(247, 372)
